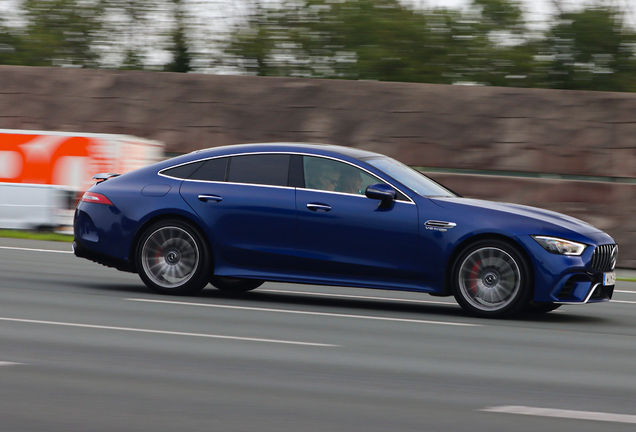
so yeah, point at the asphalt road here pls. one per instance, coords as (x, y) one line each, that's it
(87, 348)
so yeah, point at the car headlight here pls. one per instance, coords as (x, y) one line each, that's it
(560, 246)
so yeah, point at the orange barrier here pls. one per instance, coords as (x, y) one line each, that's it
(68, 159)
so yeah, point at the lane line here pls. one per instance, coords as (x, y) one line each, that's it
(626, 292)
(566, 414)
(358, 297)
(4, 363)
(306, 312)
(622, 301)
(35, 250)
(138, 330)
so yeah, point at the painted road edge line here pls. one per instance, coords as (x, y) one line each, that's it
(305, 312)
(565, 414)
(35, 250)
(165, 332)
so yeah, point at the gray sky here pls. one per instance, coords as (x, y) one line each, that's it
(537, 10)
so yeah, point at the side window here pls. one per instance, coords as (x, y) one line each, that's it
(211, 170)
(265, 169)
(331, 175)
(183, 171)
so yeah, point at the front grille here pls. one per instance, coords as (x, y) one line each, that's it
(604, 257)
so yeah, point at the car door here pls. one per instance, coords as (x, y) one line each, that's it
(250, 211)
(345, 236)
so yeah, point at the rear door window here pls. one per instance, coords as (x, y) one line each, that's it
(263, 169)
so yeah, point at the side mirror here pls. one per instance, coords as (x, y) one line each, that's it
(383, 192)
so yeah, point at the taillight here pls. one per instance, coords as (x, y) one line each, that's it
(95, 198)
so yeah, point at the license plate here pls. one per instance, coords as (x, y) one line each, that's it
(609, 279)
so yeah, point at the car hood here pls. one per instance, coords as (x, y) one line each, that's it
(532, 217)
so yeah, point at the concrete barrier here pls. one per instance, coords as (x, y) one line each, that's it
(34, 206)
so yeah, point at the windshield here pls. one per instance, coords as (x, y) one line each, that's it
(409, 177)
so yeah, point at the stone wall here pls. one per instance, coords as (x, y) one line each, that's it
(477, 128)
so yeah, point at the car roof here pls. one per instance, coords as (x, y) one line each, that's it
(318, 149)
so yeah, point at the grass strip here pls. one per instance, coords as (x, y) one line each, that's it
(34, 235)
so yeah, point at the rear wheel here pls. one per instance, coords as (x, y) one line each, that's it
(172, 258)
(491, 279)
(235, 285)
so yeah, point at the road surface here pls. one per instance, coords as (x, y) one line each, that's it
(87, 348)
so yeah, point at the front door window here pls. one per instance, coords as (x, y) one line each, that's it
(331, 175)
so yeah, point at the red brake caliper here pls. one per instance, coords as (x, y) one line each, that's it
(474, 275)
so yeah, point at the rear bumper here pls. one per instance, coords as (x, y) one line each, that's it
(82, 251)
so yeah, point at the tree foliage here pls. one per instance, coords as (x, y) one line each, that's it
(590, 50)
(487, 43)
(386, 40)
(10, 46)
(61, 33)
(181, 59)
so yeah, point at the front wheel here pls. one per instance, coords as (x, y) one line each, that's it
(172, 258)
(491, 279)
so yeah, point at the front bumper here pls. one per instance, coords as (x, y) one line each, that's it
(582, 288)
(569, 279)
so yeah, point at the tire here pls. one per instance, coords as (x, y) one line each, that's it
(491, 279)
(541, 307)
(235, 285)
(172, 258)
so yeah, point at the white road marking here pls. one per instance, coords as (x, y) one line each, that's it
(307, 312)
(358, 297)
(626, 292)
(35, 250)
(622, 301)
(3, 363)
(566, 414)
(138, 330)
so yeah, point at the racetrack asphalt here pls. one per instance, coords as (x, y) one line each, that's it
(88, 348)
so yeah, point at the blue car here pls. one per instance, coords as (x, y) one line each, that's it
(239, 215)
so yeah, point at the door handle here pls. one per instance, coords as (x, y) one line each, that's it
(206, 198)
(317, 206)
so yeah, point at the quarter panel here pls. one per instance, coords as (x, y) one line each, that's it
(111, 229)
